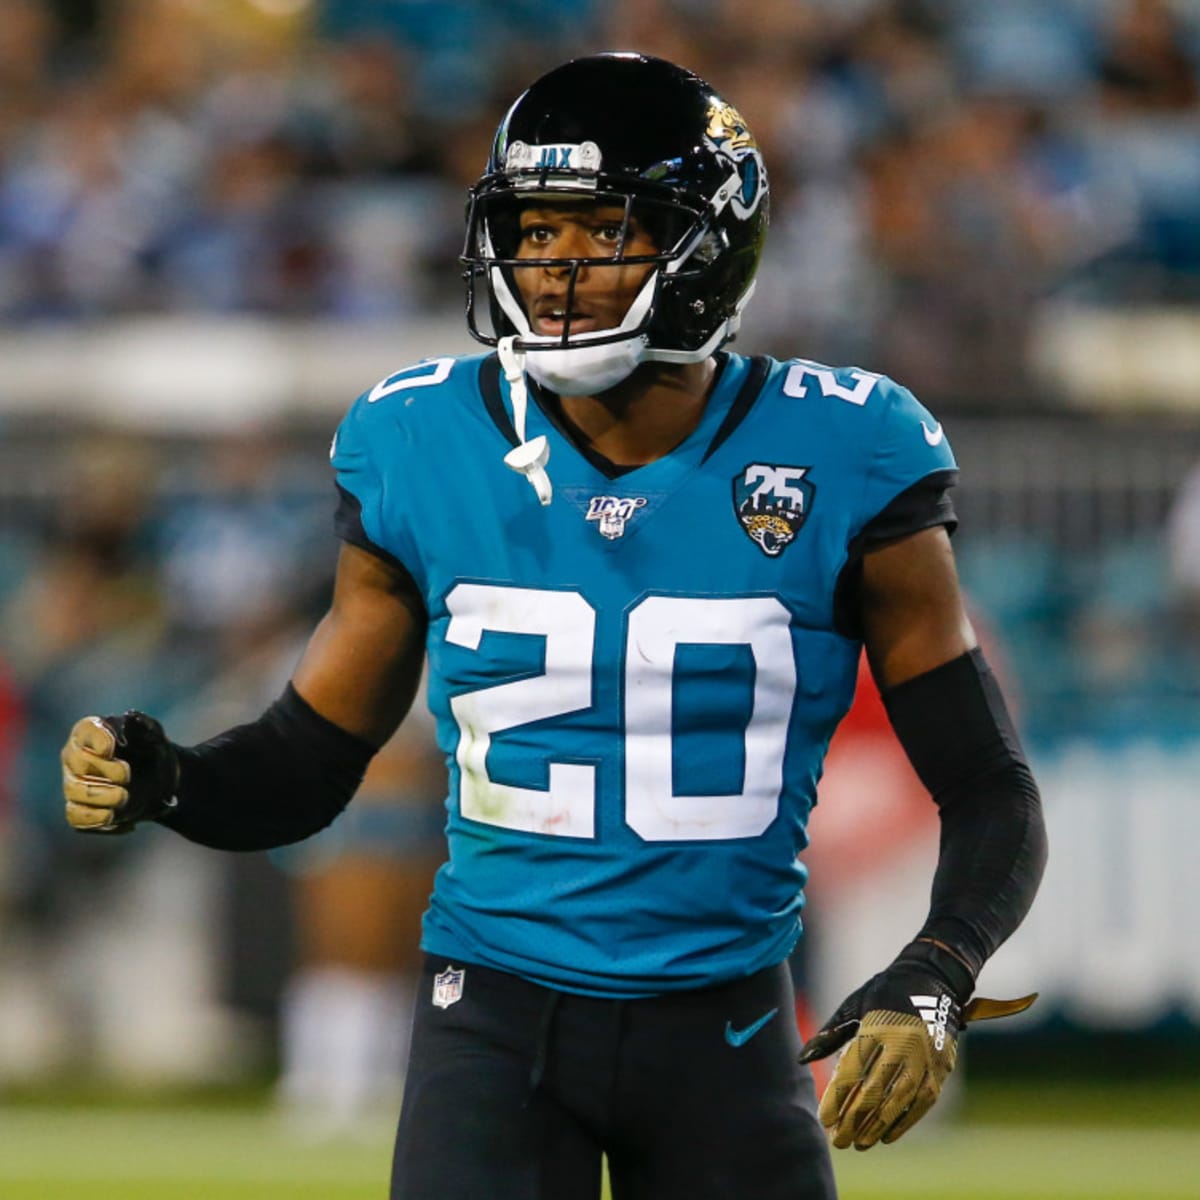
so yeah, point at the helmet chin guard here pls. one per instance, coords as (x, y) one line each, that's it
(586, 370)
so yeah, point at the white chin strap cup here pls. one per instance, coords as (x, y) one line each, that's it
(530, 459)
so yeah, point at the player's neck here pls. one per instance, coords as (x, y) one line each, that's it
(646, 415)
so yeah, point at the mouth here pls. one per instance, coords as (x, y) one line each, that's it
(551, 320)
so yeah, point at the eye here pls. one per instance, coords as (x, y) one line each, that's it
(539, 235)
(610, 232)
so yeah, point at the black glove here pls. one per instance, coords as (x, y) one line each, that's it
(118, 771)
(902, 1027)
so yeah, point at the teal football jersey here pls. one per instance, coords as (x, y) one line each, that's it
(634, 686)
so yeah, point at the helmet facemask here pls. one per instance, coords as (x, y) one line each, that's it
(588, 361)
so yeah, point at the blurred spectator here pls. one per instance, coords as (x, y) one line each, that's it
(12, 728)
(88, 609)
(1142, 140)
(961, 235)
(1183, 553)
(239, 547)
(247, 242)
(25, 51)
(1144, 62)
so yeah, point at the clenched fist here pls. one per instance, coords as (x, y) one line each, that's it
(117, 771)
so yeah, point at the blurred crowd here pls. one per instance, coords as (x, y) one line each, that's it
(938, 168)
(938, 165)
(184, 581)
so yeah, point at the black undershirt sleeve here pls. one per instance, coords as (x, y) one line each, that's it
(274, 781)
(956, 729)
(927, 503)
(920, 506)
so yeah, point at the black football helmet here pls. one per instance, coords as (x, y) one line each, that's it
(644, 134)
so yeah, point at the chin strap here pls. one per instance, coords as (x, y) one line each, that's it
(529, 458)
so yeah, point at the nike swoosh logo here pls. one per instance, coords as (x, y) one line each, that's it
(739, 1037)
(933, 436)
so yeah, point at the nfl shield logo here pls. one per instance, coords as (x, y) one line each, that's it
(448, 987)
(611, 513)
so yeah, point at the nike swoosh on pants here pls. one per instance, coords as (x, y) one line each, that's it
(739, 1037)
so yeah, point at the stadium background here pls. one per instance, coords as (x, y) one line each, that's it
(220, 220)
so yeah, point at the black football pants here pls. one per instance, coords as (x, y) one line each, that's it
(514, 1091)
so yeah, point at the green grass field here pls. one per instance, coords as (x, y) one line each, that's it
(1046, 1143)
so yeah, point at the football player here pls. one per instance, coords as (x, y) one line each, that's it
(642, 568)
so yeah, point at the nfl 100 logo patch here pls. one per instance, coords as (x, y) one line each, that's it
(448, 986)
(772, 503)
(613, 513)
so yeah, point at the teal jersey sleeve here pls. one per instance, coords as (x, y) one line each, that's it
(367, 457)
(361, 484)
(909, 446)
(386, 453)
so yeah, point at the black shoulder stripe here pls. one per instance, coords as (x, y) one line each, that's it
(489, 388)
(743, 402)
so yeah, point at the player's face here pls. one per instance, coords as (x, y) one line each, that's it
(602, 295)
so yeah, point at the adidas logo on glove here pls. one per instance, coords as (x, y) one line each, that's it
(935, 1013)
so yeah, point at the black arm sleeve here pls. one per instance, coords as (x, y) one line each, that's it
(277, 780)
(956, 730)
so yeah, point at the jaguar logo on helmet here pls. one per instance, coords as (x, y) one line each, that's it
(726, 127)
(772, 503)
(728, 136)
